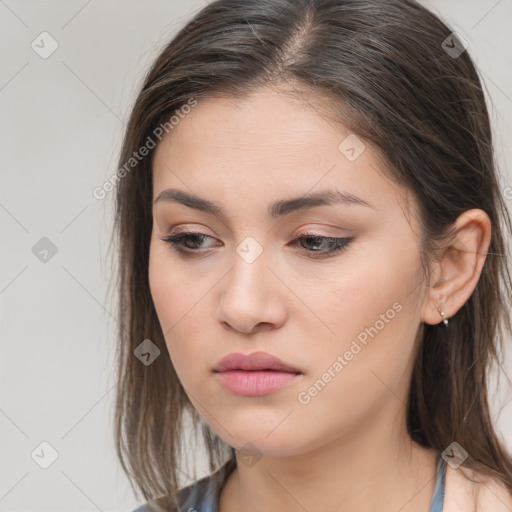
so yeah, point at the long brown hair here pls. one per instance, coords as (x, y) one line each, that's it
(388, 74)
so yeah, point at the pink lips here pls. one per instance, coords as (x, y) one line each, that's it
(255, 374)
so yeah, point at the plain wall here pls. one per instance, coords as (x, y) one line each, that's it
(62, 121)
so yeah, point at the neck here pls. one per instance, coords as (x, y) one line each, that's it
(371, 469)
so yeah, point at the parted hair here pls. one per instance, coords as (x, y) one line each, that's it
(383, 70)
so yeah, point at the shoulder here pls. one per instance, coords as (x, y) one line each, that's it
(201, 496)
(470, 491)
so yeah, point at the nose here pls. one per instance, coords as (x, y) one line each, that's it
(252, 297)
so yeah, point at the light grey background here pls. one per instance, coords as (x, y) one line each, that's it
(62, 120)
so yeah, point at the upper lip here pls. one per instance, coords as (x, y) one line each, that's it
(254, 361)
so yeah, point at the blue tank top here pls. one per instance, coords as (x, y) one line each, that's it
(203, 495)
(436, 504)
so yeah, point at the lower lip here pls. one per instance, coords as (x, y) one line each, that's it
(255, 383)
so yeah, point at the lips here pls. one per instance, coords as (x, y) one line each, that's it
(256, 361)
(255, 375)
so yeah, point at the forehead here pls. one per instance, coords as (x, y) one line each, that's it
(263, 144)
(241, 128)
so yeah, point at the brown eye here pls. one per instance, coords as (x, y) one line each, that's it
(186, 242)
(331, 245)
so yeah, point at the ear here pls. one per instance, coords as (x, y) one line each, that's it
(458, 269)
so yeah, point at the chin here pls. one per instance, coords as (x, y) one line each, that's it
(255, 438)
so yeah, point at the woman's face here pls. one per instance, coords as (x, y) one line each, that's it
(345, 321)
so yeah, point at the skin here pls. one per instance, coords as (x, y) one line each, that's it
(348, 448)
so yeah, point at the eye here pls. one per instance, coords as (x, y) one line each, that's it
(334, 245)
(185, 242)
(189, 243)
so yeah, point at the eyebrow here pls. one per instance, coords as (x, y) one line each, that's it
(276, 209)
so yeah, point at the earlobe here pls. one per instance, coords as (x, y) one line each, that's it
(459, 267)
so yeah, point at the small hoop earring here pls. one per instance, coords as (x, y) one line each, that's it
(445, 320)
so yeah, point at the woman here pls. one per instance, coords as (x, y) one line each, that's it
(313, 266)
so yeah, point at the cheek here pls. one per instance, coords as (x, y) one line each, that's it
(172, 294)
(357, 296)
(172, 287)
(181, 302)
(164, 287)
(375, 325)
(373, 310)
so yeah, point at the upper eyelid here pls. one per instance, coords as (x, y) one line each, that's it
(305, 232)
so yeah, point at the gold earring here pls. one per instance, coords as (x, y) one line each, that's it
(445, 320)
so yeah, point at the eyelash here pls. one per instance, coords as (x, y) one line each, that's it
(176, 241)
